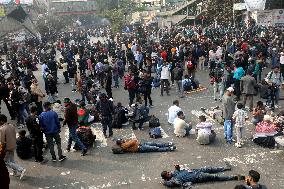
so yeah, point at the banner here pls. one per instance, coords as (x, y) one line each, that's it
(18, 2)
(239, 6)
(254, 5)
(270, 17)
(278, 17)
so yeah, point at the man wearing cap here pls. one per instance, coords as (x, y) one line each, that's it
(71, 119)
(229, 108)
(252, 180)
(50, 125)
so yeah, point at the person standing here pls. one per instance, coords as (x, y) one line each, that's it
(130, 85)
(282, 64)
(37, 95)
(177, 75)
(240, 117)
(65, 72)
(229, 108)
(106, 109)
(4, 95)
(248, 85)
(36, 134)
(238, 74)
(147, 82)
(8, 138)
(165, 76)
(50, 125)
(71, 119)
(274, 80)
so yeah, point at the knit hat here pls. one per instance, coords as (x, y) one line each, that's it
(67, 100)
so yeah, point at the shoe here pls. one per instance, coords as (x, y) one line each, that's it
(202, 109)
(22, 174)
(238, 145)
(240, 177)
(228, 166)
(172, 148)
(43, 161)
(171, 143)
(84, 152)
(62, 158)
(151, 106)
(68, 149)
(54, 159)
(277, 106)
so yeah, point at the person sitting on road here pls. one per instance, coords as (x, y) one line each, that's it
(181, 127)
(24, 146)
(172, 111)
(134, 146)
(187, 177)
(204, 131)
(252, 180)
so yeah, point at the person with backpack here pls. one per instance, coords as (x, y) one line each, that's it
(130, 85)
(274, 80)
(105, 108)
(24, 100)
(177, 75)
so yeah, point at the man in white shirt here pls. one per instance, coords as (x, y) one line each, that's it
(172, 111)
(165, 76)
(181, 127)
(205, 133)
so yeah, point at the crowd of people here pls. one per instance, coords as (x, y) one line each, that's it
(139, 62)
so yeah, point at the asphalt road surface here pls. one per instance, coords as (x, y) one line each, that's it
(102, 169)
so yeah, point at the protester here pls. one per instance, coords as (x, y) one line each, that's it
(229, 108)
(8, 138)
(182, 128)
(205, 132)
(71, 119)
(240, 117)
(185, 178)
(252, 180)
(134, 146)
(23, 146)
(172, 111)
(248, 85)
(50, 125)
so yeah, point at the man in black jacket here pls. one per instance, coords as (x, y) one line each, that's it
(177, 75)
(4, 95)
(36, 134)
(106, 109)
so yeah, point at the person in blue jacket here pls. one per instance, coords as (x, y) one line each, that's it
(187, 177)
(50, 125)
(238, 74)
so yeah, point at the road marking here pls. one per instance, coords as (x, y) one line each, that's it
(97, 130)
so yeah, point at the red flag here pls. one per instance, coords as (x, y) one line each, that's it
(17, 2)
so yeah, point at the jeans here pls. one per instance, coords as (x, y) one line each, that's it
(153, 147)
(179, 87)
(10, 162)
(73, 83)
(250, 100)
(165, 84)
(228, 130)
(131, 94)
(74, 137)
(255, 121)
(50, 144)
(201, 62)
(147, 96)
(115, 78)
(218, 87)
(107, 123)
(240, 133)
(38, 145)
(22, 113)
(65, 74)
(207, 174)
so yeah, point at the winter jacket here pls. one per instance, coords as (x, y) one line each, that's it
(8, 136)
(49, 122)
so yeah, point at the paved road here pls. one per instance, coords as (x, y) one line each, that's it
(101, 169)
